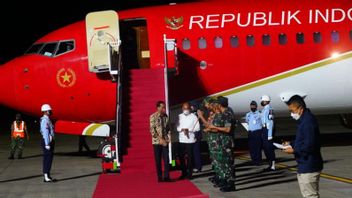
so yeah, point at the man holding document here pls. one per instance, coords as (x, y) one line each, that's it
(306, 147)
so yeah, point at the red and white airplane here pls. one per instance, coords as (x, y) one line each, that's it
(240, 49)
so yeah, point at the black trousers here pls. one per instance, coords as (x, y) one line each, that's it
(197, 155)
(186, 158)
(161, 152)
(48, 156)
(255, 146)
(82, 143)
(268, 146)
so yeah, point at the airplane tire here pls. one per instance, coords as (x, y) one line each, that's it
(104, 150)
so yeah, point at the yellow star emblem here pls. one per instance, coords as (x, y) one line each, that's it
(66, 77)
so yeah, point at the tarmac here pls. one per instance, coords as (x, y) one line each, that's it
(77, 173)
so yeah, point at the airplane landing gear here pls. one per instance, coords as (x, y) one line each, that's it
(107, 152)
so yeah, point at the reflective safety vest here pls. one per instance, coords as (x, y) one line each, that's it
(18, 131)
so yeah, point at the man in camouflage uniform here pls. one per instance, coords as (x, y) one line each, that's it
(206, 115)
(223, 125)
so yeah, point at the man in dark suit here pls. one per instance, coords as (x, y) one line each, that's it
(306, 147)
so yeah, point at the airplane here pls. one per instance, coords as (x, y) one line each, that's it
(239, 49)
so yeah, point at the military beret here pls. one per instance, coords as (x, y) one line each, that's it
(223, 101)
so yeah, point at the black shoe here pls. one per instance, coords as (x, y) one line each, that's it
(182, 177)
(52, 179)
(189, 177)
(48, 181)
(167, 180)
(216, 180)
(11, 157)
(160, 179)
(219, 184)
(20, 157)
(213, 179)
(228, 188)
(268, 169)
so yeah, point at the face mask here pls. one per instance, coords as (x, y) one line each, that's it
(262, 103)
(253, 109)
(186, 112)
(295, 116)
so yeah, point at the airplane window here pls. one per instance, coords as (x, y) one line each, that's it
(234, 41)
(186, 44)
(48, 49)
(317, 37)
(282, 39)
(351, 35)
(300, 38)
(202, 43)
(335, 37)
(266, 39)
(34, 48)
(65, 46)
(250, 40)
(218, 42)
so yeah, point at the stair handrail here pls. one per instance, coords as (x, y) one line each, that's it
(166, 87)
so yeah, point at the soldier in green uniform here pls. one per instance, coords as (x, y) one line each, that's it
(206, 115)
(223, 125)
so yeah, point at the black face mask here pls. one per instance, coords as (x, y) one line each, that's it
(253, 109)
(262, 103)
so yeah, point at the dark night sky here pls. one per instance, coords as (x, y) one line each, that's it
(23, 22)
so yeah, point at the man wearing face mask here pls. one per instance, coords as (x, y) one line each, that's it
(267, 117)
(254, 134)
(306, 147)
(48, 142)
(187, 125)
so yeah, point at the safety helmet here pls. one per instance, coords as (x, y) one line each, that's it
(46, 107)
(265, 98)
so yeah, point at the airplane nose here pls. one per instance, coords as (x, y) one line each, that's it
(7, 85)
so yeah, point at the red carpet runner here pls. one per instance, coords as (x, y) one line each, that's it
(138, 176)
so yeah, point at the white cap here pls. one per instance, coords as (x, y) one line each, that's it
(265, 98)
(46, 107)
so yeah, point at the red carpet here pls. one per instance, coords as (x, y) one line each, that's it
(138, 175)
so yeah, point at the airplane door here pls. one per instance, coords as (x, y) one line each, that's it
(170, 55)
(103, 41)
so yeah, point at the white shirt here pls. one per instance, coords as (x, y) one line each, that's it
(189, 122)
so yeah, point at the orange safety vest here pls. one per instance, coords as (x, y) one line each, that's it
(18, 131)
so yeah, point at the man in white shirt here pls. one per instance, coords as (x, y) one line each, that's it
(187, 124)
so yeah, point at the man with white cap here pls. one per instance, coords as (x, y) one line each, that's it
(48, 143)
(267, 118)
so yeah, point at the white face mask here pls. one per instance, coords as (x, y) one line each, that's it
(295, 116)
(186, 112)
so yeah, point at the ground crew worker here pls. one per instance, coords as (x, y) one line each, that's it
(223, 125)
(254, 134)
(18, 133)
(48, 142)
(267, 117)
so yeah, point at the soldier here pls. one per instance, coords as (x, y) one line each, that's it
(18, 133)
(267, 118)
(223, 125)
(206, 115)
